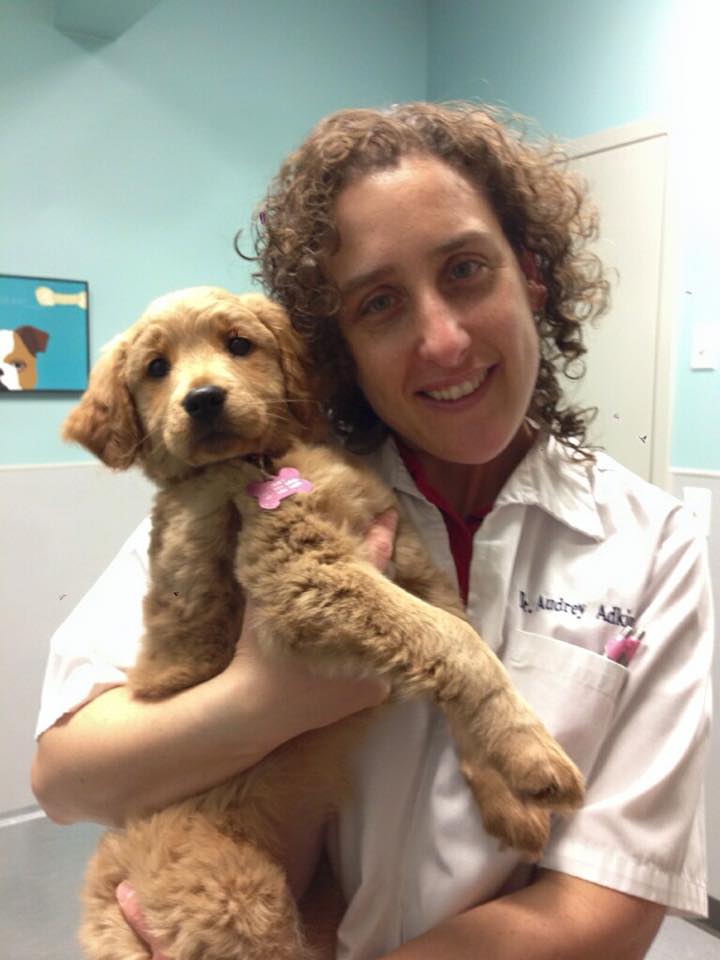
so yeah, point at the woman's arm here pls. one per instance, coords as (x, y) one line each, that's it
(119, 756)
(558, 917)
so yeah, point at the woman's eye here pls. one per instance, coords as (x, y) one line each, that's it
(464, 269)
(240, 346)
(378, 304)
(158, 367)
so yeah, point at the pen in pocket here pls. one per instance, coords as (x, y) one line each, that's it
(623, 647)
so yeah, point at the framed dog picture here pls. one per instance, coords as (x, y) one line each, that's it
(43, 335)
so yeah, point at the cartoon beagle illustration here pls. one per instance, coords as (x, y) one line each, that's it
(18, 349)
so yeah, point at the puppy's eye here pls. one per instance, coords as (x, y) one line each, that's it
(158, 367)
(240, 346)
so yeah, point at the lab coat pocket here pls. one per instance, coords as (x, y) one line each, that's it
(574, 691)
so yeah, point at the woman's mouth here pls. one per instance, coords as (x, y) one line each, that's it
(458, 391)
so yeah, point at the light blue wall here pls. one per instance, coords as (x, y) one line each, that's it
(579, 67)
(575, 67)
(131, 164)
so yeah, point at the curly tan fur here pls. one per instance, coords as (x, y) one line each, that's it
(208, 871)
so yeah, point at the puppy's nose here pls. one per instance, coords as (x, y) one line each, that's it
(204, 402)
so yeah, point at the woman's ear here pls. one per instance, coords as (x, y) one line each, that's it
(105, 421)
(537, 294)
(537, 291)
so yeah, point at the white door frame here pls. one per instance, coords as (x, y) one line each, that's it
(669, 275)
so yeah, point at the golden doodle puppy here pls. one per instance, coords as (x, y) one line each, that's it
(208, 393)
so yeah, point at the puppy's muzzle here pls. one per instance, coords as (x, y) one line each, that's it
(204, 404)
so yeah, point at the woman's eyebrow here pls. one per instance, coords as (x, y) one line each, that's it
(469, 236)
(363, 279)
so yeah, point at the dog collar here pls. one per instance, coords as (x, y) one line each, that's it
(260, 460)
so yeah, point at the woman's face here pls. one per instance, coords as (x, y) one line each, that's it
(436, 310)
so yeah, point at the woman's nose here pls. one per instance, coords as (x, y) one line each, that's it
(442, 337)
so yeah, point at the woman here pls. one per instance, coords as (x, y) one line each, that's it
(435, 263)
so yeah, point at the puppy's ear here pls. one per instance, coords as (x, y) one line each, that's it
(105, 421)
(295, 362)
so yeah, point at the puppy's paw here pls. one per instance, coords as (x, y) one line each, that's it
(151, 682)
(520, 826)
(515, 823)
(537, 770)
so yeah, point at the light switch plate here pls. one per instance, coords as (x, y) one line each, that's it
(699, 501)
(705, 346)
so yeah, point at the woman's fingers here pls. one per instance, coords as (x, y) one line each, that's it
(127, 900)
(380, 539)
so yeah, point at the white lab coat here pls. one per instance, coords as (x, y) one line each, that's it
(570, 553)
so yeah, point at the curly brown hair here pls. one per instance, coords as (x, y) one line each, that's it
(541, 207)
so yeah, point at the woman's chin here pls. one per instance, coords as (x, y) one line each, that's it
(474, 447)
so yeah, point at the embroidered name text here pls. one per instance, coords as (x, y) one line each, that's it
(558, 604)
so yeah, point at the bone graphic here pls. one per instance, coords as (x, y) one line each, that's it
(51, 298)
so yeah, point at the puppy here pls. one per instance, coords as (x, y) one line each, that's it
(208, 392)
(18, 350)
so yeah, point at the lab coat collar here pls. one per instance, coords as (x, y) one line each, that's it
(547, 477)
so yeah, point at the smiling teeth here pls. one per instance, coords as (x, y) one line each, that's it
(459, 390)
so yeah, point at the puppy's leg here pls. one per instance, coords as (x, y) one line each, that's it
(203, 895)
(522, 751)
(313, 596)
(193, 608)
(426, 650)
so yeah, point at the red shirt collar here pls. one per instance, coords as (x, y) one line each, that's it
(460, 530)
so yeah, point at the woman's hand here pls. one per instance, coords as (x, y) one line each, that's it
(127, 900)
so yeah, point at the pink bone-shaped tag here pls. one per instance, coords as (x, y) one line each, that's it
(269, 493)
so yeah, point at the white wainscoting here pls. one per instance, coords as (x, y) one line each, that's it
(61, 525)
(710, 480)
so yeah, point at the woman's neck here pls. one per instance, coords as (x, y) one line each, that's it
(471, 488)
